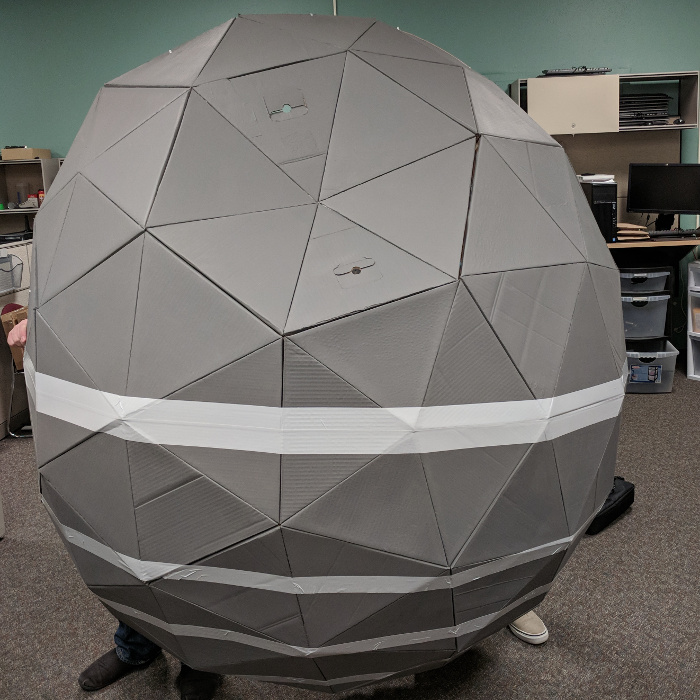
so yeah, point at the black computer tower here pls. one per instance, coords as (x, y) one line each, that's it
(602, 198)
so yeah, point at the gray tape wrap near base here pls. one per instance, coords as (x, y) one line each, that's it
(305, 585)
(375, 644)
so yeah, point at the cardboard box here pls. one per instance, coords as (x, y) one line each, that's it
(25, 153)
(696, 320)
(9, 321)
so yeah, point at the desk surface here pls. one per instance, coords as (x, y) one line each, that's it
(666, 242)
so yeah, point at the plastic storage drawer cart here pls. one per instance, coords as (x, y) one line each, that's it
(651, 372)
(644, 316)
(645, 280)
(694, 321)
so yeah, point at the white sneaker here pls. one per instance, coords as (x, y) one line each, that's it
(530, 629)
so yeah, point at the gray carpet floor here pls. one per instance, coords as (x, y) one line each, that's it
(623, 616)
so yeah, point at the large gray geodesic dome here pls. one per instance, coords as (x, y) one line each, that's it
(325, 353)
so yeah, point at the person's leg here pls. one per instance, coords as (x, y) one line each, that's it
(530, 628)
(132, 647)
(197, 685)
(132, 652)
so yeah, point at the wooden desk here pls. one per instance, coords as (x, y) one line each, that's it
(665, 243)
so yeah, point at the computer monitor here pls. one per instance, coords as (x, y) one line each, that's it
(664, 188)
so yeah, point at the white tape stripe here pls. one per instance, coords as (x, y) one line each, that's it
(387, 642)
(325, 430)
(304, 585)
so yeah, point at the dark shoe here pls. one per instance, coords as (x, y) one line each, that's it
(106, 670)
(197, 685)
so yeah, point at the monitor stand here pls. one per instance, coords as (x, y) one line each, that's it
(664, 222)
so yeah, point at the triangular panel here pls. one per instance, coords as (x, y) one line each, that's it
(155, 471)
(307, 477)
(307, 383)
(93, 478)
(182, 605)
(517, 155)
(251, 46)
(531, 312)
(53, 436)
(121, 110)
(353, 269)
(178, 67)
(315, 555)
(440, 85)
(588, 358)
(553, 191)
(307, 173)
(327, 616)
(596, 248)
(252, 476)
(528, 512)
(286, 112)
(539, 168)
(257, 612)
(463, 484)
(416, 613)
(383, 39)
(606, 473)
(194, 520)
(254, 380)
(95, 570)
(47, 231)
(215, 171)
(162, 356)
(497, 115)
(338, 31)
(607, 287)
(54, 359)
(74, 160)
(498, 236)
(386, 505)
(143, 154)
(265, 553)
(376, 351)
(93, 229)
(65, 514)
(472, 366)
(380, 126)
(234, 252)
(75, 317)
(579, 455)
(421, 208)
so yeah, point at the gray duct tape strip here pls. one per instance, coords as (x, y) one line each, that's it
(366, 678)
(302, 585)
(312, 585)
(325, 430)
(388, 642)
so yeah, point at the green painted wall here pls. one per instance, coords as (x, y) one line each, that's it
(54, 56)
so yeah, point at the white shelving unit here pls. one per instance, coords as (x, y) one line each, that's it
(694, 321)
(35, 174)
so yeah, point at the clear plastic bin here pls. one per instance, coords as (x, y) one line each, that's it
(645, 280)
(644, 316)
(10, 273)
(694, 307)
(651, 372)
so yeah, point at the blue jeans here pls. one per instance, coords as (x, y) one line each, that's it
(132, 647)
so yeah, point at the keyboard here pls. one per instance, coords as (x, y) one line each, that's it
(683, 233)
